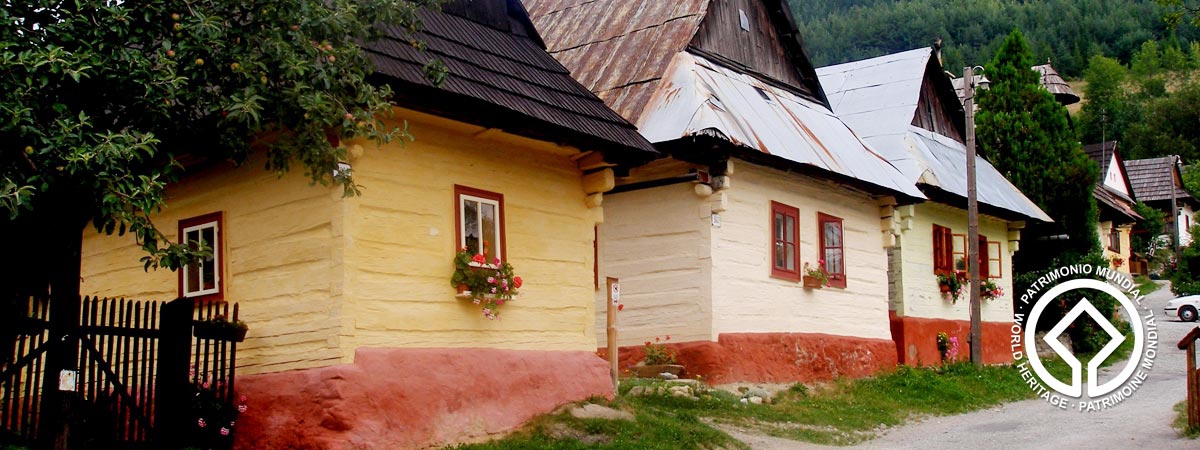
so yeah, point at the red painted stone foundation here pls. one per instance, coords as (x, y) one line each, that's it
(413, 398)
(776, 357)
(916, 340)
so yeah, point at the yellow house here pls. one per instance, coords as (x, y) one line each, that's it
(763, 184)
(357, 338)
(904, 105)
(1115, 199)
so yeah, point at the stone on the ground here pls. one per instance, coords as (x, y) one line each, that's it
(756, 400)
(594, 411)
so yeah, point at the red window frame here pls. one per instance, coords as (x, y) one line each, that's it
(459, 191)
(995, 255)
(943, 250)
(777, 210)
(218, 251)
(836, 279)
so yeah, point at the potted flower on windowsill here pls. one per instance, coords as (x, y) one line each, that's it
(989, 290)
(659, 359)
(951, 285)
(1118, 261)
(487, 284)
(220, 328)
(815, 277)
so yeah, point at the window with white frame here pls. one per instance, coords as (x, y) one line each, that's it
(480, 222)
(202, 278)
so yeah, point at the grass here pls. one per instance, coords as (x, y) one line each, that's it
(842, 412)
(1145, 284)
(1181, 422)
(839, 413)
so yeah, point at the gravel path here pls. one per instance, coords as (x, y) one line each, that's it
(1141, 421)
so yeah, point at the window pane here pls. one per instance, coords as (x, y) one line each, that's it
(833, 234)
(192, 270)
(490, 230)
(470, 225)
(790, 229)
(780, 254)
(778, 227)
(207, 268)
(833, 260)
(791, 257)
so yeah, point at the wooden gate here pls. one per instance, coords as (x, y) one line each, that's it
(138, 363)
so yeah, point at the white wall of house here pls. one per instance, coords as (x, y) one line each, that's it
(656, 241)
(1113, 178)
(915, 291)
(1185, 222)
(746, 299)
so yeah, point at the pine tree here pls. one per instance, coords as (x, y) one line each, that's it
(1027, 136)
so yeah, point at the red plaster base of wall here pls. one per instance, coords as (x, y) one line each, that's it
(916, 340)
(413, 398)
(777, 357)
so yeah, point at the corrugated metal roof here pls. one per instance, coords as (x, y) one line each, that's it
(618, 49)
(700, 96)
(508, 69)
(878, 97)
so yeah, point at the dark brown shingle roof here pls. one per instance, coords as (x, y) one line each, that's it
(1101, 154)
(1054, 83)
(1153, 179)
(501, 76)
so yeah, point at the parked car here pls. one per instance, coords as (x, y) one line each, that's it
(1185, 307)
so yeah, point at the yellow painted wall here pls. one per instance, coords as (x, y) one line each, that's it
(280, 248)
(917, 293)
(1103, 229)
(318, 276)
(401, 239)
(745, 296)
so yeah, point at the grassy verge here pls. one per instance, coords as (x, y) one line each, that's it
(843, 412)
(1181, 422)
(1145, 284)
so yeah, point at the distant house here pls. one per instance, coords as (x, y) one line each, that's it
(1115, 199)
(904, 105)
(357, 339)
(762, 181)
(1158, 182)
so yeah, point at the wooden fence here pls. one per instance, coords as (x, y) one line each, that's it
(139, 364)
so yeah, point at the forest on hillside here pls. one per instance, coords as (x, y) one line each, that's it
(1068, 32)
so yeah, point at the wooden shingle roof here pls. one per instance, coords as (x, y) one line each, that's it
(501, 76)
(1154, 179)
(1054, 83)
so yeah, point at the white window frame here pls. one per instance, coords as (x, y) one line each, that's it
(216, 262)
(462, 211)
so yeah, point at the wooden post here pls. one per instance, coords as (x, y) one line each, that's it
(973, 221)
(172, 398)
(1188, 345)
(614, 296)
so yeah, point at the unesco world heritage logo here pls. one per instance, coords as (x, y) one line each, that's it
(1095, 394)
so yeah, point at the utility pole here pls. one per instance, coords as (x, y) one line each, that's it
(972, 220)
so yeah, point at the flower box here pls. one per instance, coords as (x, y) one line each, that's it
(220, 332)
(945, 288)
(811, 282)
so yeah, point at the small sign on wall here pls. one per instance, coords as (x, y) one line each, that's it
(66, 380)
(616, 293)
(716, 220)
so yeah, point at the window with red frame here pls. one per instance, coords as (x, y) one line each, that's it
(785, 242)
(479, 222)
(943, 250)
(832, 248)
(202, 279)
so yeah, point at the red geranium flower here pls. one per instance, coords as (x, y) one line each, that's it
(517, 282)
(479, 259)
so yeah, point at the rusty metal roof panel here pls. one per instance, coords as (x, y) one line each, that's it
(613, 45)
(700, 96)
(878, 97)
